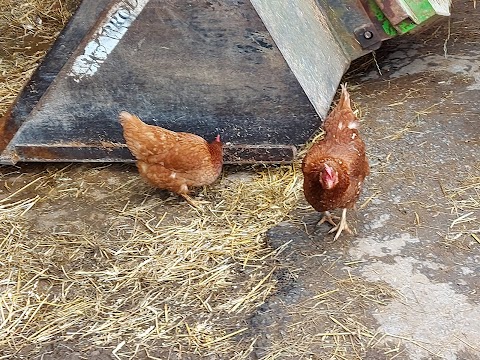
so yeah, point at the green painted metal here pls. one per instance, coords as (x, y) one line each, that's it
(380, 16)
(406, 26)
(421, 9)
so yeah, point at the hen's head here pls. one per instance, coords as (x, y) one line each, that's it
(328, 177)
(216, 150)
(216, 143)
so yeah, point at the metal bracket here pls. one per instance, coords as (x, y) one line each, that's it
(368, 37)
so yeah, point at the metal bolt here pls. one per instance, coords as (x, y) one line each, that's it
(367, 35)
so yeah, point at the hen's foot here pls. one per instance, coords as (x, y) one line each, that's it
(197, 204)
(327, 217)
(342, 225)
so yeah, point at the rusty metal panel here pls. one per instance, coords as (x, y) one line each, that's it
(233, 154)
(392, 10)
(207, 67)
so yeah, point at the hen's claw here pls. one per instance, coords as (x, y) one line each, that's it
(342, 225)
(197, 204)
(327, 217)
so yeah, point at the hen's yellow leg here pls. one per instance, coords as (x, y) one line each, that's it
(327, 217)
(342, 225)
(194, 203)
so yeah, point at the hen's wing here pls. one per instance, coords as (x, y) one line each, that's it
(155, 145)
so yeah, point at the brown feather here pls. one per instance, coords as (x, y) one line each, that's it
(171, 160)
(344, 151)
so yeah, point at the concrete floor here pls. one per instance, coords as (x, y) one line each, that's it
(413, 266)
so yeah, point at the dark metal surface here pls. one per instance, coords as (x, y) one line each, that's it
(239, 154)
(368, 36)
(309, 43)
(66, 43)
(319, 39)
(207, 67)
(345, 18)
(203, 66)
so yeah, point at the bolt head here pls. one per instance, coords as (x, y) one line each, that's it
(367, 35)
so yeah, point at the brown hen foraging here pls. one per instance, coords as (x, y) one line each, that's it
(174, 161)
(335, 167)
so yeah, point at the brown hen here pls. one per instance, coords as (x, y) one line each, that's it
(335, 167)
(171, 160)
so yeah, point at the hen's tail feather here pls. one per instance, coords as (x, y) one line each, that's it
(344, 97)
(126, 117)
(342, 122)
(132, 133)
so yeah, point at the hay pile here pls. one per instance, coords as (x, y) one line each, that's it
(465, 205)
(110, 264)
(27, 30)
